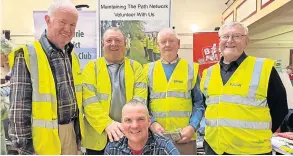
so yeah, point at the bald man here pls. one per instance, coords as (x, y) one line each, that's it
(175, 101)
(138, 140)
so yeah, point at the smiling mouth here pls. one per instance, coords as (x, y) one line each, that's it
(134, 132)
(230, 46)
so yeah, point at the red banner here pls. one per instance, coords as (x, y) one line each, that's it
(205, 49)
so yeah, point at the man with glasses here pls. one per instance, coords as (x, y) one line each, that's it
(245, 98)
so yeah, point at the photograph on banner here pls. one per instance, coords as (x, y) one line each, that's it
(84, 39)
(140, 21)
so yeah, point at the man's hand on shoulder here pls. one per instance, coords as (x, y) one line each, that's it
(114, 131)
(157, 128)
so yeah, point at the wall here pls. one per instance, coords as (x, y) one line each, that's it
(276, 48)
(207, 14)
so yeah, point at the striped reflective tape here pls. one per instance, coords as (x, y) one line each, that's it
(90, 87)
(239, 124)
(142, 100)
(90, 100)
(256, 74)
(162, 95)
(78, 88)
(140, 85)
(37, 97)
(236, 99)
(171, 114)
(45, 123)
(102, 96)
(207, 80)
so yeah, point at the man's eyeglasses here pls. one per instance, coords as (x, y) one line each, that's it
(234, 37)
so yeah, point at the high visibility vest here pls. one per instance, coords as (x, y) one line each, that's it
(156, 47)
(170, 101)
(145, 41)
(44, 101)
(238, 119)
(95, 136)
(150, 43)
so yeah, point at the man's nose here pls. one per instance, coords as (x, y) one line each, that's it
(134, 124)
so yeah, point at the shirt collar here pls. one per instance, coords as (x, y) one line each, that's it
(240, 59)
(173, 62)
(108, 63)
(49, 46)
(147, 147)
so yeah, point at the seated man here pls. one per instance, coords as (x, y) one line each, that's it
(138, 140)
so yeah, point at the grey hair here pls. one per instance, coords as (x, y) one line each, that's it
(231, 24)
(170, 30)
(134, 103)
(58, 4)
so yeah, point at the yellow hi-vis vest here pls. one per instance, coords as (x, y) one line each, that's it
(238, 119)
(145, 41)
(44, 101)
(97, 95)
(170, 101)
(156, 47)
(150, 43)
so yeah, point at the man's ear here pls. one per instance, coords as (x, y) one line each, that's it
(47, 19)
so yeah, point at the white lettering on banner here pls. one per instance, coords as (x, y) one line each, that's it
(211, 54)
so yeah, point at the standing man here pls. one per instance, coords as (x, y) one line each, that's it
(128, 44)
(156, 48)
(245, 98)
(150, 47)
(109, 83)
(175, 100)
(138, 140)
(145, 42)
(46, 88)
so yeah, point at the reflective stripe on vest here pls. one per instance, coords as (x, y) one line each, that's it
(140, 85)
(142, 100)
(255, 77)
(45, 124)
(239, 124)
(161, 95)
(236, 99)
(207, 80)
(250, 99)
(78, 88)
(171, 114)
(37, 97)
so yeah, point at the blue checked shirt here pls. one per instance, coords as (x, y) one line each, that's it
(156, 145)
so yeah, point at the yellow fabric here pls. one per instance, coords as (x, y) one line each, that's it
(150, 43)
(178, 82)
(97, 112)
(46, 140)
(230, 139)
(145, 41)
(156, 47)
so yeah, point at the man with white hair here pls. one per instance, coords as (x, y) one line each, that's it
(245, 98)
(46, 88)
(175, 100)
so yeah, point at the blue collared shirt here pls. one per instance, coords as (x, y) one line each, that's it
(156, 145)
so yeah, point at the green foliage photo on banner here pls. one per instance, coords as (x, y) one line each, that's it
(140, 22)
